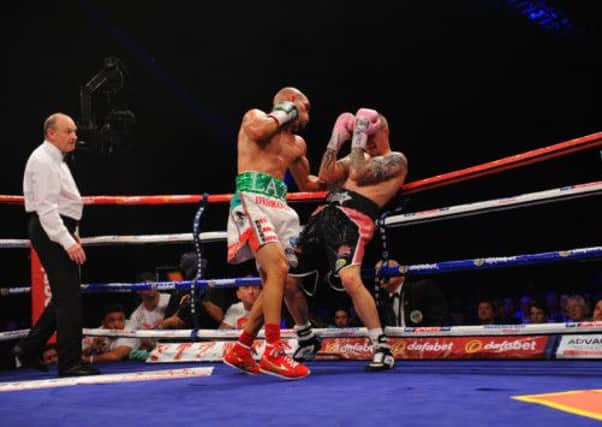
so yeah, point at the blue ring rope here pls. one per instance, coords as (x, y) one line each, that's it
(474, 264)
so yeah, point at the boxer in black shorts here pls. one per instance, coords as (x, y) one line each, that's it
(339, 230)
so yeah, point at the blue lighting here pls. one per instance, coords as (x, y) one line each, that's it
(542, 14)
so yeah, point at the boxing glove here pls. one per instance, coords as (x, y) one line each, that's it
(341, 131)
(284, 112)
(372, 117)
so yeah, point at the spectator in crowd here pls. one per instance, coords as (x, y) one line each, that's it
(342, 318)
(150, 312)
(187, 269)
(209, 310)
(486, 312)
(410, 302)
(537, 312)
(109, 349)
(238, 313)
(597, 314)
(577, 308)
(553, 305)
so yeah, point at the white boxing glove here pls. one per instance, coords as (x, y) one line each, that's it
(284, 112)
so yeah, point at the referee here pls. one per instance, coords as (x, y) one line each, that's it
(408, 302)
(55, 206)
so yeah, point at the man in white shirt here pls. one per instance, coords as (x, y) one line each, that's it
(150, 312)
(55, 206)
(110, 349)
(237, 315)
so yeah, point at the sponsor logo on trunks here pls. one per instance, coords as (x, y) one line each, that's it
(270, 203)
(339, 198)
(270, 187)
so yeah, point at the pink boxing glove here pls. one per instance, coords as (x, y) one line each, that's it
(341, 131)
(372, 117)
(365, 121)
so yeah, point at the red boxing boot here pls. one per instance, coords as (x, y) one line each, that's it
(275, 362)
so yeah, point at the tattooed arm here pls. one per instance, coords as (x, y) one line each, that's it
(366, 171)
(332, 171)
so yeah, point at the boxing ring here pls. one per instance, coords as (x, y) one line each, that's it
(499, 375)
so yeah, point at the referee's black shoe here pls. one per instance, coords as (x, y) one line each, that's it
(79, 370)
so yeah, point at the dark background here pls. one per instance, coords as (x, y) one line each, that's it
(461, 82)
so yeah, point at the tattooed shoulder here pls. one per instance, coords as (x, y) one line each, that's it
(385, 167)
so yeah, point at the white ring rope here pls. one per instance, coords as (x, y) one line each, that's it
(528, 199)
(13, 335)
(208, 237)
(398, 332)
(498, 330)
(188, 333)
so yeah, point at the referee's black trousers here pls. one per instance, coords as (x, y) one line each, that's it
(63, 313)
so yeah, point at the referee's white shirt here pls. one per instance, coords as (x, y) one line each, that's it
(50, 190)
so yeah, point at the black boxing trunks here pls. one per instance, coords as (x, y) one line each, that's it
(337, 232)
